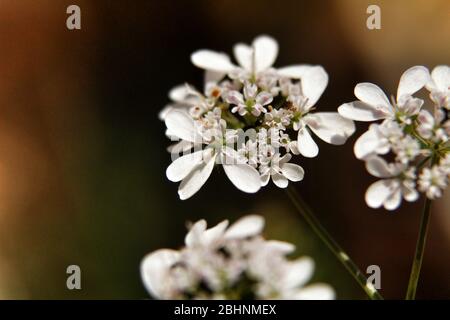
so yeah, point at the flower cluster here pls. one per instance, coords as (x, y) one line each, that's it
(230, 263)
(414, 136)
(251, 118)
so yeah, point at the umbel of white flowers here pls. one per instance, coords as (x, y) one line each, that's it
(415, 134)
(230, 263)
(250, 118)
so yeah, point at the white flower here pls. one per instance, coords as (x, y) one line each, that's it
(252, 59)
(233, 262)
(378, 139)
(278, 118)
(406, 149)
(274, 107)
(374, 105)
(251, 101)
(328, 126)
(413, 135)
(429, 126)
(432, 181)
(279, 169)
(248, 153)
(194, 169)
(439, 85)
(182, 98)
(395, 184)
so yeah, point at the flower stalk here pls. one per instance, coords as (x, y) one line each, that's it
(340, 254)
(420, 250)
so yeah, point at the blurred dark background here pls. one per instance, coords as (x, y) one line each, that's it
(82, 152)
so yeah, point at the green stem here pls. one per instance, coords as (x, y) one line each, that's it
(420, 249)
(340, 254)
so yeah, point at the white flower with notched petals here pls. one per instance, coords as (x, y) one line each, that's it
(328, 126)
(429, 126)
(279, 169)
(250, 102)
(233, 262)
(253, 60)
(248, 153)
(278, 118)
(432, 181)
(274, 107)
(406, 149)
(286, 280)
(439, 86)
(396, 183)
(373, 104)
(195, 168)
(378, 139)
(413, 134)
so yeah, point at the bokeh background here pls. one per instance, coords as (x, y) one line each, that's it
(82, 153)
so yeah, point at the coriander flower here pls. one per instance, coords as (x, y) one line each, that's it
(433, 181)
(279, 169)
(195, 168)
(439, 86)
(413, 134)
(230, 262)
(248, 105)
(397, 182)
(373, 104)
(251, 101)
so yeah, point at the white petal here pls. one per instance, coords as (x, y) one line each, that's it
(313, 82)
(163, 113)
(292, 171)
(181, 125)
(371, 94)
(195, 235)
(367, 143)
(306, 145)
(393, 201)
(181, 167)
(214, 235)
(180, 147)
(266, 51)
(295, 71)
(298, 272)
(316, 291)
(279, 246)
(410, 194)
(211, 60)
(360, 111)
(153, 270)
(378, 192)
(196, 179)
(247, 226)
(412, 80)
(378, 167)
(331, 127)
(279, 180)
(243, 176)
(265, 179)
(180, 106)
(244, 55)
(440, 77)
(179, 93)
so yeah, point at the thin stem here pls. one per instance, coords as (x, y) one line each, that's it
(420, 249)
(340, 254)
